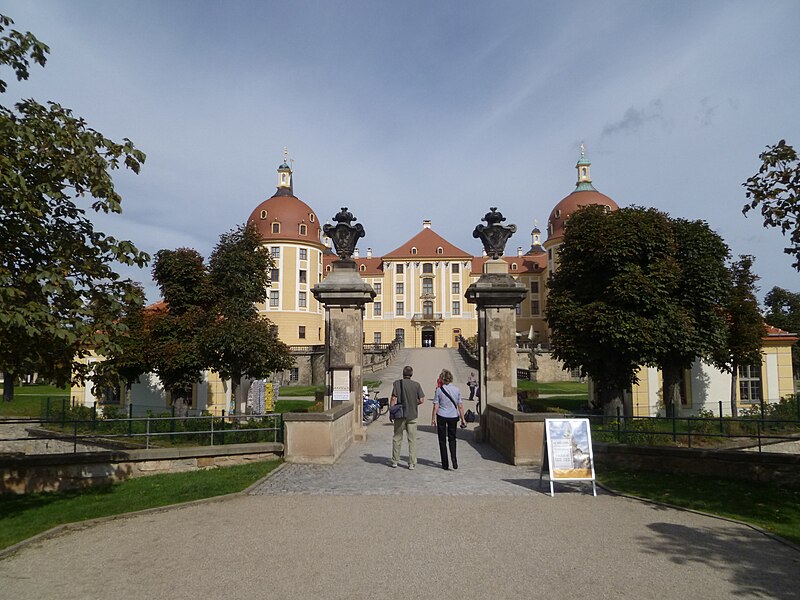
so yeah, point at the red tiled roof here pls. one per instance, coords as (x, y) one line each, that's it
(427, 242)
(525, 264)
(775, 332)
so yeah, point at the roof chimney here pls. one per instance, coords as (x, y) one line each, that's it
(519, 250)
(355, 253)
(426, 224)
(369, 252)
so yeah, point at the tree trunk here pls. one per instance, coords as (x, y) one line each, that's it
(734, 384)
(8, 386)
(671, 389)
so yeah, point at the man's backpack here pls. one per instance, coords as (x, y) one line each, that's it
(470, 417)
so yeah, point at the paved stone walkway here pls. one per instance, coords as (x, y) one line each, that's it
(360, 529)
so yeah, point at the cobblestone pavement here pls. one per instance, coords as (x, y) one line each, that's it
(365, 469)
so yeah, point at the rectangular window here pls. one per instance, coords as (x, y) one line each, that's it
(377, 287)
(398, 288)
(294, 374)
(456, 307)
(301, 299)
(456, 267)
(376, 309)
(275, 252)
(535, 308)
(750, 384)
(273, 298)
(535, 287)
(456, 288)
(301, 332)
(427, 286)
(427, 268)
(400, 309)
(399, 268)
(377, 337)
(303, 277)
(274, 275)
(303, 254)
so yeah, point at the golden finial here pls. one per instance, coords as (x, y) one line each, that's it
(583, 151)
(285, 155)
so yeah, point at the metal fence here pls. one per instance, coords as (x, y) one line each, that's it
(150, 431)
(695, 432)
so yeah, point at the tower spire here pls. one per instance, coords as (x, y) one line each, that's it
(285, 184)
(584, 177)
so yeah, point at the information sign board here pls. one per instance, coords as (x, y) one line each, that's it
(568, 444)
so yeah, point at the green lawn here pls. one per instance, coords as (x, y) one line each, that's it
(24, 516)
(773, 508)
(28, 400)
(284, 406)
(555, 387)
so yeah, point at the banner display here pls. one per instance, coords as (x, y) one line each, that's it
(568, 452)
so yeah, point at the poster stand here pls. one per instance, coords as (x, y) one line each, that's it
(567, 452)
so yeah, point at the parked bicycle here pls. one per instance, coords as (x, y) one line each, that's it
(374, 407)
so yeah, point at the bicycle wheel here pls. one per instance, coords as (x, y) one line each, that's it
(384, 408)
(478, 407)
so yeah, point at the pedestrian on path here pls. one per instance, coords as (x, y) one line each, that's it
(472, 383)
(447, 410)
(409, 393)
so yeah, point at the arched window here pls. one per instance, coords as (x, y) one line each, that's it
(413, 250)
(513, 266)
(303, 229)
(327, 268)
(263, 214)
(557, 214)
(362, 268)
(439, 250)
(276, 227)
(311, 217)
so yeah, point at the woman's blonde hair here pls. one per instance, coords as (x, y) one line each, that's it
(447, 376)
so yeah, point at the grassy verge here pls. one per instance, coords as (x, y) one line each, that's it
(28, 400)
(284, 406)
(24, 516)
(773, 508)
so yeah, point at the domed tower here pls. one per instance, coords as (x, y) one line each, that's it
(291, 231)
(584, 194)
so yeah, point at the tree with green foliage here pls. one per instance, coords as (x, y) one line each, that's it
(694, 307)
(607, 301)
(177, 326)
(783, 312)
(774, 189)
(636, 288)
(60, 297)
(745, 324)
(239, 342)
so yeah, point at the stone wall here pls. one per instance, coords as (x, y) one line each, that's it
(318, 438)
(549, 369)
(516, 435)
(775, 468)
(60, 472)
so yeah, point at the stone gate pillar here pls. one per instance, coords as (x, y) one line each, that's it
(496, 295)
(344, 294)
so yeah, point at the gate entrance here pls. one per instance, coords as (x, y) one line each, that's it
(428, 337)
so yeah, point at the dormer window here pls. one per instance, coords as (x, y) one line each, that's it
(311, 217)
(440, 250)
(276, 227)
(362, 268)
(327, 268)
(557, 214)
(303, 229)
(263, 214)
(513, 266)
(413, 250)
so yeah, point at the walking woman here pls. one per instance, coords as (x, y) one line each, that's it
(447, 410)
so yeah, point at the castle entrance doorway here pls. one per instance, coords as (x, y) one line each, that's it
(428, 337)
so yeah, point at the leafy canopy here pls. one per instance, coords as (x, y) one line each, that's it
(59, 293)
(775, 190)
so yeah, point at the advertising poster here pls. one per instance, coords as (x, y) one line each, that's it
(569, 449)
(269, 397)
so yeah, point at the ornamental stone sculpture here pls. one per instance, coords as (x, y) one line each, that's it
(344, 235)
(493, 235)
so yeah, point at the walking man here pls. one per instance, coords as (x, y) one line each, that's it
(472, 383)
(408, 393)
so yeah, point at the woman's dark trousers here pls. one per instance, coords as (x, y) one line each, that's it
(446, 430)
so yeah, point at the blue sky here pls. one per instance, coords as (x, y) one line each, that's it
(405, 111)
